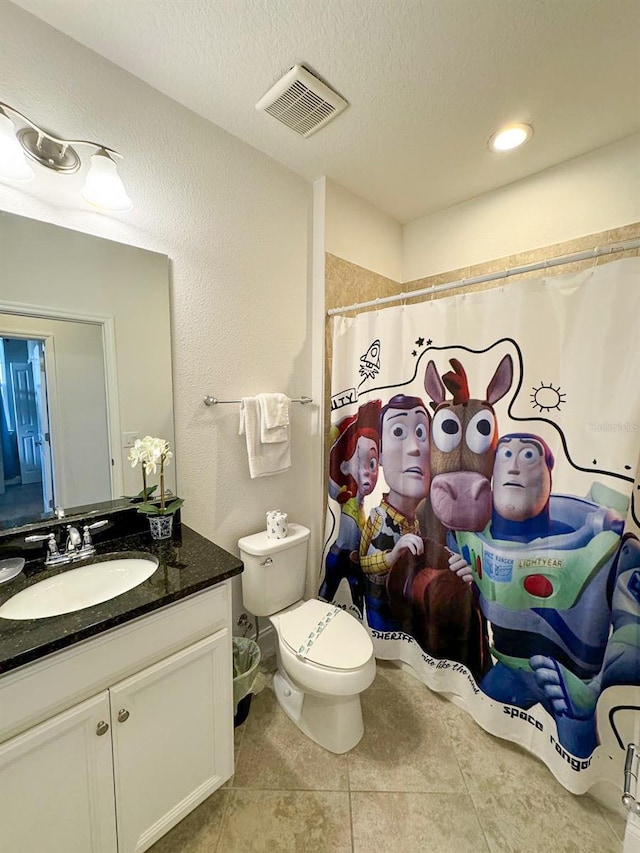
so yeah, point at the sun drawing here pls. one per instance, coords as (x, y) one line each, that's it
(546, 397)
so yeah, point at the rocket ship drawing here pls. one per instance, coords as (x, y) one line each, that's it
(370, 361)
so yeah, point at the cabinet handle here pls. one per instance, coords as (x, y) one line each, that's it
(102, 728)
(123, 715)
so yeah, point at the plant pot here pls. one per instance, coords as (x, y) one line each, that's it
(161, 526)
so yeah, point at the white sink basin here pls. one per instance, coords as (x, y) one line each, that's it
(76, 589)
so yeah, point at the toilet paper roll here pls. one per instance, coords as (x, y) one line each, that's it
(277, 524)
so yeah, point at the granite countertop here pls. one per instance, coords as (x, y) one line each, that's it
(189, 563)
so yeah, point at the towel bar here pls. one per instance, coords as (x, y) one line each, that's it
(212, 401)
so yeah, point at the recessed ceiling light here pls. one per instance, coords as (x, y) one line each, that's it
(510, 137)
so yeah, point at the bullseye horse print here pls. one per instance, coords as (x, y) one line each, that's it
(432, 602)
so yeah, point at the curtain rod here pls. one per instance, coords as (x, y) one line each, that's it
(493, 276)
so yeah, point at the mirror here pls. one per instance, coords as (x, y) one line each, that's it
(85, 367)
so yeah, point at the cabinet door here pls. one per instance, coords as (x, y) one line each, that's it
(56, 784)
(172, 739)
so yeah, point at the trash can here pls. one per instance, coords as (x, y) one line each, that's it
(246, 660)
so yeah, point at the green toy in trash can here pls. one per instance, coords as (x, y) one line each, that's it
(246, 660)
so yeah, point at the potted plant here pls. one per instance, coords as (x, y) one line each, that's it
(152, 453)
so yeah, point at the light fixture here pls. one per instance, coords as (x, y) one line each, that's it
(103, 188)
(13, 165)
(510, 137)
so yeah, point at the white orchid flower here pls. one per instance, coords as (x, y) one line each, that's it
(151, 452)
(137, 453)
(156, 449)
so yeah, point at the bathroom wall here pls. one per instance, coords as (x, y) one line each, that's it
(360, 233)
(236, 227)
(597, 192)
(590, 201)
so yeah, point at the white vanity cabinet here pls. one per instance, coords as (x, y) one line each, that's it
(114, 771)
(56, 785)
(167, 740)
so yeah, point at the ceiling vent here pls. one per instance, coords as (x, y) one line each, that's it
(302, 102)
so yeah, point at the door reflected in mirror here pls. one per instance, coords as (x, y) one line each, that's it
(85, 367)
(26, 486)
(54, 421)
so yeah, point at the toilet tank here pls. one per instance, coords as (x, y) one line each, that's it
(275, 570)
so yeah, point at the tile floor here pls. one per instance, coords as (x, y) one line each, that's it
(424, 778)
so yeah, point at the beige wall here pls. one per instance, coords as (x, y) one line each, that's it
(347, 283)
(360, 233)
(581, 244)
(597, 192)
(587, 202)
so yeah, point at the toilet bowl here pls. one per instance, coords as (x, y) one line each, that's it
(319, 687)
(325, 656)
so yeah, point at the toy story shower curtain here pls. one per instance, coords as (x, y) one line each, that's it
(483, 507)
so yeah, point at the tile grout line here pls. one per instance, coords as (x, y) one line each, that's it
(348, 756)
(229, 792)
(280, 789)
(464, 781)
(484, 834)
(430, 792)
(231, 789)
(353, 842)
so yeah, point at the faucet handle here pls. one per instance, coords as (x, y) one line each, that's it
(96, 524)
(86, 532)
(52, 545)
(39, 537)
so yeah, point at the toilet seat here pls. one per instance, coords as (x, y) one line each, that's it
(325, 636)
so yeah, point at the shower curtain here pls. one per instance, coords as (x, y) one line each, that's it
(483, 507)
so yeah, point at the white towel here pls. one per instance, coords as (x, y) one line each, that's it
(274, 418)
(264, 459)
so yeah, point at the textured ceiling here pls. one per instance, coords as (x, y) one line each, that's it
(428, 81)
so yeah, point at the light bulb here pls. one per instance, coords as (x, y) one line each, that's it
(511, 137)
(104, 188)
(13, 163)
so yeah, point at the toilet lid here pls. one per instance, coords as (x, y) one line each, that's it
(325, 635)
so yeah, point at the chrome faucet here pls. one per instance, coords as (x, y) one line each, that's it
(77, 547)
(74, 540)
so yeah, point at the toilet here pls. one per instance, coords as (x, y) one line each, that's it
(325, 656)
